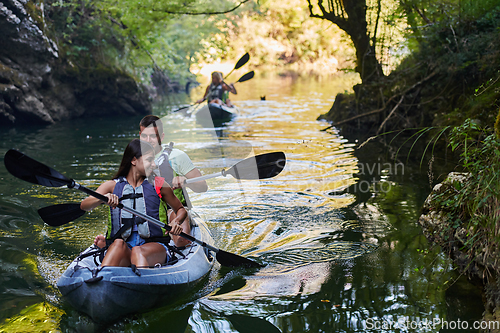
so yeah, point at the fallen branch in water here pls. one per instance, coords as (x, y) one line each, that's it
(391, 113)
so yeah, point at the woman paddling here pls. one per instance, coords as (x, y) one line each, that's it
(215, 92)
(131, 236)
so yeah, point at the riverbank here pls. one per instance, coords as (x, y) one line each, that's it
(447, 95)
(461, 214)
(453, 76)
(474, 259)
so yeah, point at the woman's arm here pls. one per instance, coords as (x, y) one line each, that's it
(229, 87)
(105, 189)
(180, 213)
(204, 96)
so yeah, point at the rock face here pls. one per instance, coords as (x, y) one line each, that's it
(36, 86)
(482, 267)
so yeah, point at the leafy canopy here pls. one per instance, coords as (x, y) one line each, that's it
(134, 34)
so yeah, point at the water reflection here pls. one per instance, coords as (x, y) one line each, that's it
(335, 254)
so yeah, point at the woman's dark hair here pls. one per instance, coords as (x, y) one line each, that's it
(136, 148)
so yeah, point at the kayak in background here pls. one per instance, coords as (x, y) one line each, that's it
(215, 114)
(222, 112)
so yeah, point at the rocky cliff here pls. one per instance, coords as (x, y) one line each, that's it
(37, 86)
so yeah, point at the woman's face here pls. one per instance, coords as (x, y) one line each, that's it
(216, 78)
(146, 164)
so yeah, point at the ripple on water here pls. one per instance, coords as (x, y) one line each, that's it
(299, 224)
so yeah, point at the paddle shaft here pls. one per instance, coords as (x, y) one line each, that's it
(30, 170)
(144, 216)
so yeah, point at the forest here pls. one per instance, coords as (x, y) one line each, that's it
(421, 63)
(429, 74)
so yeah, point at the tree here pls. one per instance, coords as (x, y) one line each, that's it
(137, 36)
(350, 16)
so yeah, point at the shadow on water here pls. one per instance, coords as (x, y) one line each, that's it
(336, 231)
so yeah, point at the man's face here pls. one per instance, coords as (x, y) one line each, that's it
(148, 134)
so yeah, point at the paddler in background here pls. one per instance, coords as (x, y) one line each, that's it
(215, 91)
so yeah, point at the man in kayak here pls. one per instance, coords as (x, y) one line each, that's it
(217, 92)
(173, 164)
(133, 240)
(151, 131)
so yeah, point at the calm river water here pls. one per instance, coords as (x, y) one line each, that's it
(336, 231)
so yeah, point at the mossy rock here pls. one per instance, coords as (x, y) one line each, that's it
(10, 76)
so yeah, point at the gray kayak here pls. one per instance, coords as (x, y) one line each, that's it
(108, 293)
(221, 112)
(214, 114)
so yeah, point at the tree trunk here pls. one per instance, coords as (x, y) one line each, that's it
(350, 16)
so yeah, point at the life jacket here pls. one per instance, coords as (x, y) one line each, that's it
(144, 199)
(165, 171)
(225, 96)
(215, 91)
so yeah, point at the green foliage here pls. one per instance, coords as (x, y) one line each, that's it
(132, 35)
(463, 53)
(424, 14)
(281, 34)
(474, 204)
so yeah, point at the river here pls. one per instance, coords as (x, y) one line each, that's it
(336, 231)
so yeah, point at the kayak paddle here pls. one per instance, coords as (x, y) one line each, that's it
(30, 170)
(256, 167)
(57, 215)
(245, 77)
(243, 60)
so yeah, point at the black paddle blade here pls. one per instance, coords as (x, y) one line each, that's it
(259, 167)
(58, 215)
(243, 60)
(26, 168)
(246, 77)
(233, 260)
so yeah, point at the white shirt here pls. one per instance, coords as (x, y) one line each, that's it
(179, 161)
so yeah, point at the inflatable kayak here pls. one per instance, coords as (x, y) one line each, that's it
(221, 112)
(214, 114)
(107, 293)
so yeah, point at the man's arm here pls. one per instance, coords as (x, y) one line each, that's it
(198, 187)
(182, 165)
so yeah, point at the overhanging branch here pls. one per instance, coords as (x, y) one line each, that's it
(202, 13)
